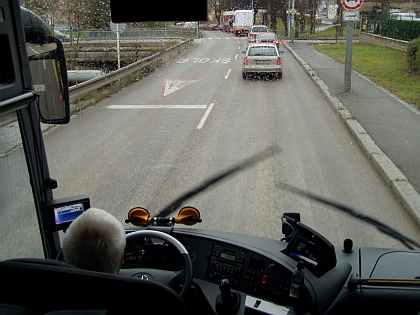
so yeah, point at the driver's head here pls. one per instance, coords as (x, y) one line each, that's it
(95, 241)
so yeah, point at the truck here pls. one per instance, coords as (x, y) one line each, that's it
(244, 19)
(227, 20)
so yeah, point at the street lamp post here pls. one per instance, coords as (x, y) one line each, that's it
(288, 19)
(291, 20)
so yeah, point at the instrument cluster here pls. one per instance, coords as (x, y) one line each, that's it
(151, 254)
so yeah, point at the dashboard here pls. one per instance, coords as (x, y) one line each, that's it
(261, 271)
(253, 271)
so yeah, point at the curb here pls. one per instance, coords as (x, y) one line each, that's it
(396, 180)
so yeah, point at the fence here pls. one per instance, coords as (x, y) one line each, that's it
(130, 33)
(387, 26)
(82, 89)
(377, 40)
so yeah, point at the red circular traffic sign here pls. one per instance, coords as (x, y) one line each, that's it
(352, 4)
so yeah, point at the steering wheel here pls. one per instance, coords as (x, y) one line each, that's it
(168, 278)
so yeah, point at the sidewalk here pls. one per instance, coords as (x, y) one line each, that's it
(387, 129)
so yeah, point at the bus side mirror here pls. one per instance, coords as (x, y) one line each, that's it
(49, 77)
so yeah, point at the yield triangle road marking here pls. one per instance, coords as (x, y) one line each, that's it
(172, 85)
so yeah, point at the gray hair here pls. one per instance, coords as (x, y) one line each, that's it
(95, 241)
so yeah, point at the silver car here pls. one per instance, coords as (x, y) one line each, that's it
(255, 30)
(264, 58)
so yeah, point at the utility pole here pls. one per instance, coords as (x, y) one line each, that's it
(293, 12)
(288, 19)
(118, 47)
(350, 17)
(349, 56)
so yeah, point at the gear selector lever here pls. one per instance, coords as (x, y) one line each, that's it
(227, 302)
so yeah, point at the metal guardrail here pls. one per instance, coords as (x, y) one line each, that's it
(156, 33)
(86, 87)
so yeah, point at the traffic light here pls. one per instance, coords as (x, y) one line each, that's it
(256, 6)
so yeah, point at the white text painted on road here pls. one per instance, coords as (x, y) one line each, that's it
(205, 60)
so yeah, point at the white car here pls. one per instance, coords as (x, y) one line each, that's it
(255, 29)
(264, 58)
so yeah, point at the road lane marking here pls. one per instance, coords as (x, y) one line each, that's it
(172, 85)
(236, 56)
(156, 106)
(204, 118)
(227, 73)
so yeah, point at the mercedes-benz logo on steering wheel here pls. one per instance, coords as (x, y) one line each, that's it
(144, 276)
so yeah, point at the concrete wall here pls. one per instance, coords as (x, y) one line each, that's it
(377, 40)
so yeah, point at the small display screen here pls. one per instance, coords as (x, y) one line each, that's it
(305, 250)
(67, 213)
(227, 256)
(64, 211)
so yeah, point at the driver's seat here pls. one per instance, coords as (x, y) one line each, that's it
(44, 288)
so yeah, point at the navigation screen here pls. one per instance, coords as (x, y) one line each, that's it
(67, 213)
(307, 251)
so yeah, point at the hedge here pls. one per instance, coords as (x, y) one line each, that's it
(413, 55)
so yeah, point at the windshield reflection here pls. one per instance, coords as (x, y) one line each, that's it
(36, 49)
(19, 232)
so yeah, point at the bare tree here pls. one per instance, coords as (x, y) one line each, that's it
(385, 7)
(45, 9)
(275, 9)
(313, 10)
(214, 6)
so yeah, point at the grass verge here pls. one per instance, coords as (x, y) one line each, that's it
(386, 67)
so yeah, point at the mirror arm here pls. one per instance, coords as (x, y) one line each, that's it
(17, 102)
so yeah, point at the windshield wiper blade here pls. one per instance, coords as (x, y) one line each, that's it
(239, 166)
(357, 214)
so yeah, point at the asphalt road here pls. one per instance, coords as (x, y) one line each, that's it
(195, 116)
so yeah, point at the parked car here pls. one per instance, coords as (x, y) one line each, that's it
(267, 38)
(62, 33)
(62, 36)
(264, 58)
(190, 24)
(255, 29)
